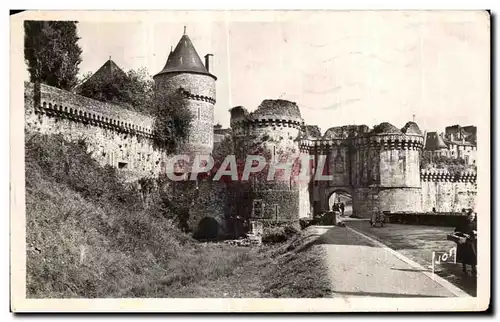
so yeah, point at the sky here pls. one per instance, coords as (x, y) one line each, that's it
(358, 67)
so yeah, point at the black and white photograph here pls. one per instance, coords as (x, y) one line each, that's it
(250, 161)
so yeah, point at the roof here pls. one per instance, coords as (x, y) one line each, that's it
(277, 109)
(464, 143)
(311, 131)
(411, 128)
(434, 141)
(385, 128)
(107, 71)
(184, 59)
(346, 131)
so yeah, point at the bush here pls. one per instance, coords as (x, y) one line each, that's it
(452, 165)
(306, 222)
(278, 234)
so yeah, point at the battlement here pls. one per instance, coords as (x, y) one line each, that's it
(382, 141)
(187, 94)
(280, 113)
(390, 141)
(55, 102)
(445, 175)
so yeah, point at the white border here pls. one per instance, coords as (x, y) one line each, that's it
(220, 305)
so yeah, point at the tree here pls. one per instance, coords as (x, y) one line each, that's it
(52, 53)
(172, 121)
(133, 90)
(140, 87)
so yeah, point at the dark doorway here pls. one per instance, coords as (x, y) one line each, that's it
(208, 229)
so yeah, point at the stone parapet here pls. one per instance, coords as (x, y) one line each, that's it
(444, 175)
(195, 97)
(54, 102)
(390, 141)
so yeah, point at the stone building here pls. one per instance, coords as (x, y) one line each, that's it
(455, 143)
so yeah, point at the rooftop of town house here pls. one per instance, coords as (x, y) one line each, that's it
(434, 142)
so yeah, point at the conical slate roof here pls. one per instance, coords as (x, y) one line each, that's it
(440, 143)
(108, 71)
(434, 142)
(184, 59)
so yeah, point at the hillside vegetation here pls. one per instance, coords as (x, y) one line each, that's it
(90, 235)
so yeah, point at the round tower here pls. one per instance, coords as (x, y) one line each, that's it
(386, 170)
(271, 131)
(184, 72)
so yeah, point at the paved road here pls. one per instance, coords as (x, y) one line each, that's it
(360, 267)
(417, 242)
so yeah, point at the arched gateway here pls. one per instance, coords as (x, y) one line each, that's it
(378, 168)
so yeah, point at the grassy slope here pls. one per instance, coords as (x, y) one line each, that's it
(89, 236)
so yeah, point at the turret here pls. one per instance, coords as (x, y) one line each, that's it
(271, 131)
(184, 71)
(386, 169)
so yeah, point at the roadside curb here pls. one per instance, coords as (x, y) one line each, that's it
(441, 281)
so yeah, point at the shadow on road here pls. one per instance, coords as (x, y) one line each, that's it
(374, 294)
(409, 269)
(333, 235)
(418, 243)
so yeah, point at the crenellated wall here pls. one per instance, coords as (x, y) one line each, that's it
(446, 192)
(115, 136)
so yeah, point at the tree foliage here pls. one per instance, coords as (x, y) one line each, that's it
(133, 90)
(453, 165)
(52, 53)
(172, 121)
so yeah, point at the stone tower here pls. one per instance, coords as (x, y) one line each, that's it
(185, 72)
(272, 132)
(386, 169)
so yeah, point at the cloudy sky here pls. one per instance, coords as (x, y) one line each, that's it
(340, 67)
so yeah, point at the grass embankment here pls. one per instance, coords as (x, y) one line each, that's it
(89, 235)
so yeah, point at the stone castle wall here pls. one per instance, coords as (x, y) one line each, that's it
(114, 135)
(444, 192)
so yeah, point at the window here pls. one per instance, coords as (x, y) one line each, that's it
(258, 208)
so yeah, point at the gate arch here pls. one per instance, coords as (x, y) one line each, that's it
(323, 194)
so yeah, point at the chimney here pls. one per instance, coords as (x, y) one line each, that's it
(208, 62)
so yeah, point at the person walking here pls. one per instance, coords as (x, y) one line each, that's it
(466, 252)
(342, 208)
